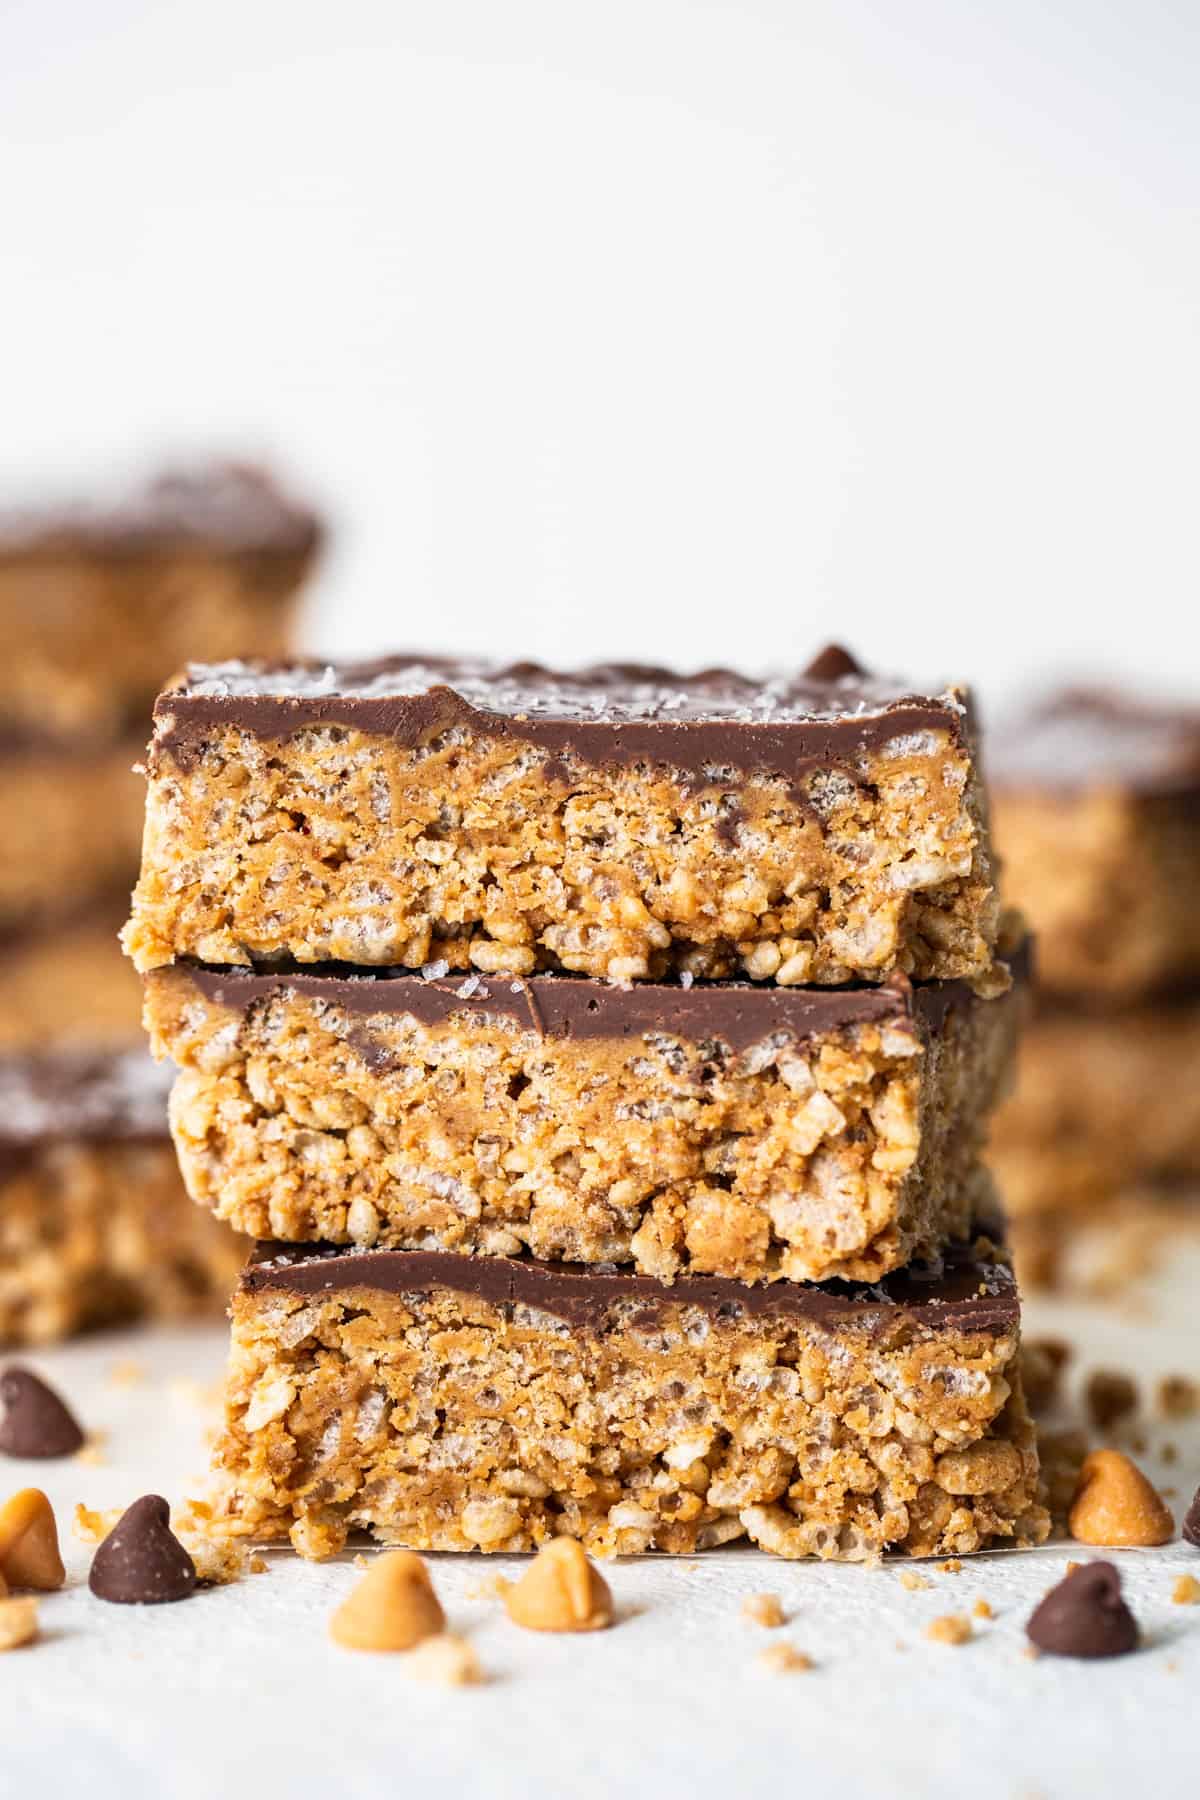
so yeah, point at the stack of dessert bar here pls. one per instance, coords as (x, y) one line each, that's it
(1098, 819)
(601, 1061)
(99, 604)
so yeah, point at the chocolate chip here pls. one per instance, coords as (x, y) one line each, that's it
(33, 1420)
(831, 664)
(1085, 1616)
(1191, 1523)
(141, 1561)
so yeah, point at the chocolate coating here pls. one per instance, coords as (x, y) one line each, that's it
(706, 725)
(738, 1014)
(34, 1421)
(972, 1290)
(141, 1562)
(1085, 1615)
(228, 507)
(81, 1094)
(1092, 738)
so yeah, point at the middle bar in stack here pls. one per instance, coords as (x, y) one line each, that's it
(660, 1264)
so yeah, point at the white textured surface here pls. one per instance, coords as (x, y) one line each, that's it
(240, 1691)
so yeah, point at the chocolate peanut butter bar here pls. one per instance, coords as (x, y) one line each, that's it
(94, 1224)
(1097, 809)
(459, 1403)
(620, 822)
(72, 824)
(1106, 1102)
(101, 601)
(714, 1128)
(66, 982)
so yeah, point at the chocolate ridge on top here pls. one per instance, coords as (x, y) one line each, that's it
(81, 1095)
(616, 713)
(231, 507)
(738, 1013)
(1081, 739)
(971, 1289)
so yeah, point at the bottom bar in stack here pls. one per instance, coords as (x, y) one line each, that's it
(95, 1227)
(452, 1402)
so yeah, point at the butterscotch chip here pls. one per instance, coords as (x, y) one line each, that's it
(763, 1609)
(18, 1623)
(29, 1554)
(1186, 1591)
(1109, 1396)
(393, 1607)
(1178, 1396)
(783, 1659)
(982, 1610)
(1115, 1505)
(952, 1628)
(448, 1659)
(561, 1590)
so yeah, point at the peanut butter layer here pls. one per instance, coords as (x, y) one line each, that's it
(1097, 810)
(101, 602)
(67, 983)
(726, 1129)
(1105, 1102)
(462, 1403)
(620, 823)
(72, 826)
(95, 1227)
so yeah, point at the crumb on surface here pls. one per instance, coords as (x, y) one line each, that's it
(783, 1659)
(913, 1582)
(126, 1373)
(1178, 1396)
(982, 1609)
(1110, 1395)
(18, 1622)
(951, 1566)
(763, 1609)
(1186, 1591)
(951, 1628)
(92, 1527)
(446, 1659)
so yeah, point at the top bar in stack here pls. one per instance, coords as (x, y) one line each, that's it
(623, 823)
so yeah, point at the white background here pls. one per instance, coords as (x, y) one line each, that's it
(668, 328)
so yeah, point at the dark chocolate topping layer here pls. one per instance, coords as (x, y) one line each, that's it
(737, 1013)
(231, 507)
(1090, 738)
(85, 1095)
(708, 723)
(971, 1290)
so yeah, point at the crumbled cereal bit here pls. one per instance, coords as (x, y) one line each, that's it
(1115, 1505)
(493, 1587)
(783, 1659)
(91, 1456)
(1186, 1591)
(359, 1560)
(1169, 1452)
(763, 1609)
(18, 1623)
(951, 1628)
(1062, 1454)
(912, 1581)
(259, 1565)
(951, 1566)
(1072, 1566)
(447, 1659)
(1178, 1397)
(1109, 1396)
(93, 1527)
(1137, 1444)
(982, 1610)
(126, 1374)
(219, 1561)
(1043, 1361)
